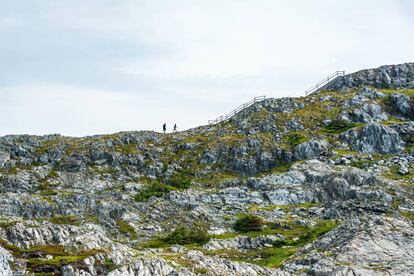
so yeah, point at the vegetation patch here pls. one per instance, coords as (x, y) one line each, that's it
(126, 149)
(338, 126)
(7, 223)
(295, 138)
(190, 234)
(288, 207)
(179, 181)
(307, 234)
(248, 223)
(395, 175)
(126, 228)
(194, 234)
(60, 256)
(72, 220)
(408, 215)
(109, 264)
(155, 189)
(295, 235)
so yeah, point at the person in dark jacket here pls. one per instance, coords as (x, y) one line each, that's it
(164, 127)
(175, 128)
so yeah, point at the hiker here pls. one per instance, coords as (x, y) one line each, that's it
(164, 127)
(175, 128)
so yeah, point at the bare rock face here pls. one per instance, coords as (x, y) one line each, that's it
(372, 246)
(402, 105)
(372, 138)
(222, 266)
(388, 76)
(311, 149)
(242, 242)
(149, 267)
(5, 260)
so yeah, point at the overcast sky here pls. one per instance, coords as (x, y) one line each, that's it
(82, 67)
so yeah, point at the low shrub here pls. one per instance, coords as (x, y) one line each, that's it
(179, 181)
(153, 189)
(196, 233)
(248, 222)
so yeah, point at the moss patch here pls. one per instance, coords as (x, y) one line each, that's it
(126, 228)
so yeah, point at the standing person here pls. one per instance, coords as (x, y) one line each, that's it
(164, 127)
(175, 128)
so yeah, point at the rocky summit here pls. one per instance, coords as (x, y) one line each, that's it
(315, 185)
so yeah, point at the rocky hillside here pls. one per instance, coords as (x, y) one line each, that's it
(318, 185)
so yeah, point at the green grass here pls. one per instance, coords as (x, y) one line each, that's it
(288, 207)
(179, 181)
(405, 91)
(48, 192)
(128, 149)
(408, 215)
(127, 229)
(71, 220)
(109, 264)
(393, 174)
(110, 171)
(295, 138)
(7, 223)
(295, 235)
(283, 167)
(337, 127)
(61, 256)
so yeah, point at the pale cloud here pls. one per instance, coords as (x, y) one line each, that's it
(83, 67)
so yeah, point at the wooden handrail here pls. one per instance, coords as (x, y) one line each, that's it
(324, 82)
(311, 90)
(237, 110)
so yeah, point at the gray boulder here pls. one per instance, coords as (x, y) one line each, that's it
(311, 149)
(294, 125)
(370, 93)
(374, 138)
(208, 158)
(369, 112)
(402, 104)
(4, 157)
(5, 258)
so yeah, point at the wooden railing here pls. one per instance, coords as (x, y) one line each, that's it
(311, 90)
(237, 110)
(324, 82)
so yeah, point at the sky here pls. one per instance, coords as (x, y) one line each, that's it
(84, 67)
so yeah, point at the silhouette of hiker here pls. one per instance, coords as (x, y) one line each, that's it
(175, 128)
(164, 127)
